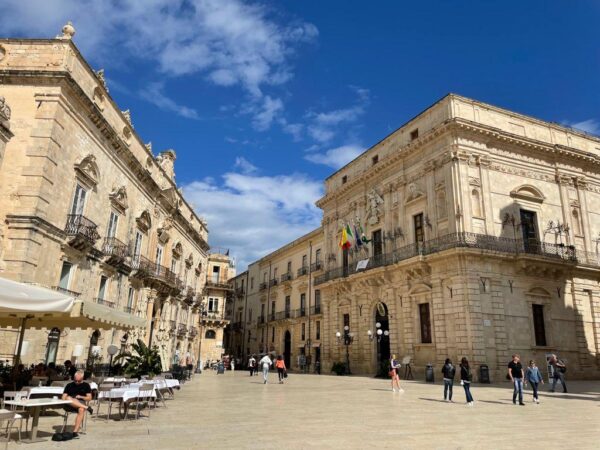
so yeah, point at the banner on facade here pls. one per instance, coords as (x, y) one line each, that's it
(362, 264)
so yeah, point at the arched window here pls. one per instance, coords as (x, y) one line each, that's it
(210, 334)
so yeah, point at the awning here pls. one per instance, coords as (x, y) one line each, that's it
(21, 299)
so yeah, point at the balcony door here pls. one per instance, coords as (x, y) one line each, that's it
(215, 274)
(113, 220)
(78, 200)
(529, 229)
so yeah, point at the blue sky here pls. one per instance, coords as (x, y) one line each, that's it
(263, 100)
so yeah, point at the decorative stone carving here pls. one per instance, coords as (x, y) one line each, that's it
(118, 198)
(166, 160)
(100, 76)
(68, 31)
(148, 146)
(528, 192)
(4, 110)
(414, 192)
(127, 115)
(87, 170)
(474, 181)
(177, 250)
(144, 221)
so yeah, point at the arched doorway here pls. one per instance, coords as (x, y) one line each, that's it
(287, 349)
(383, 339)
(52, 345)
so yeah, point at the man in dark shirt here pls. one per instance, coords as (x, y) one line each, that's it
(78, 392)
(516, 375)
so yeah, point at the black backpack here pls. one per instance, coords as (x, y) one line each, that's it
(66, 436)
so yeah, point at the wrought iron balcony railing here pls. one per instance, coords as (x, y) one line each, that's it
(113, 247)
(66, 291)
(261, 319)
(240, 291)
(286, 277)
(80, 226)
(302, 271)
(315, 310)
(219, 282)
(458, 240)
(104, 302)
(262, 286)
(316, 266)
(273, 282)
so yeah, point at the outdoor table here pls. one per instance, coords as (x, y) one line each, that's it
(50, 391)
(36, 404)
(123, 394)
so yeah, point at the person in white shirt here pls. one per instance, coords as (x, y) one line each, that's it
(265, 363)
(252, 365)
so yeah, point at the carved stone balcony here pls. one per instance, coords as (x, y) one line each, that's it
(286, 277)
(128, 309)
(263, 286)
(302, 271)
(156, 275)
(218, 283)
(105, 302)
(81, 232)
(314, 267)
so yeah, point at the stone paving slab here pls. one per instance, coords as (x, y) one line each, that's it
(310, 411)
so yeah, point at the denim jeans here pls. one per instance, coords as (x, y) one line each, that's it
(448, 389)
(467, 386)
(558, 375)
(518, 382)
(534, 386)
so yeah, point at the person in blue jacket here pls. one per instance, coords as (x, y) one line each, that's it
(534, 377)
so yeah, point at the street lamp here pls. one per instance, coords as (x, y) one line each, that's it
(346, 340)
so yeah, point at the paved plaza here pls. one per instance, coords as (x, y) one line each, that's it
(236, 411)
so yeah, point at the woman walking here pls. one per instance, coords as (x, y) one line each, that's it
(534, 377)
(448, 371)
(395, 374)
(465, 379)
(280, 364)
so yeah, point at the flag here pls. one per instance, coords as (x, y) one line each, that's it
(349, 234)
(363, 236)
(358, 238)
(344, 243)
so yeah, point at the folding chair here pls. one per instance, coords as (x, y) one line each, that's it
(10, 417)
(145, 395)
(104, 397)
(22, 413)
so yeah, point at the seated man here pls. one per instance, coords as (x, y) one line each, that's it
(78, 392)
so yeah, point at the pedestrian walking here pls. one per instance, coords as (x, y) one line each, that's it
(232, 366)
(394, 373)
(318, 367)
(280, 365)
(252, 365)
(448, 372)
(534, 377)
(465, 379)
(516, 375)
(265, 363)
(558, 372)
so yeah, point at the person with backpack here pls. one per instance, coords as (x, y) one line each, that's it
(534, 377)
(516, 375)
(265, 363)
(448, 372)
(559, 371)
(252, 365)
(465, 379)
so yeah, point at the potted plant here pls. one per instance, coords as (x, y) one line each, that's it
(143, 360)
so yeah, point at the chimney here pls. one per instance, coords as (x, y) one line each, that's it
(166, 160)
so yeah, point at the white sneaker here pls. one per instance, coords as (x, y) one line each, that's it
(400, 390)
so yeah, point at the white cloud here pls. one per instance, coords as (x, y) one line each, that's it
(244, 165)
(154, 93)
(265, 113)
(591, 126)
(324, 126)
(254, 215)
(336, 157)
(293, 129)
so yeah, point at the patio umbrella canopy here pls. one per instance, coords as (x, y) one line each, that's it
(19, 300)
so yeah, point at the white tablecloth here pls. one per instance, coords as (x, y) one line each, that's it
(125, 394)
(52, 390)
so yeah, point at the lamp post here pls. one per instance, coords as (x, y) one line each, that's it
(380, 335)
(346, 340)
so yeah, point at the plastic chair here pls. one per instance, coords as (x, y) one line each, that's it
(16, 396)
(145, 395)
(102, 398)
(10, 417)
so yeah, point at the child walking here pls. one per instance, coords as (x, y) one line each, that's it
(534, 377)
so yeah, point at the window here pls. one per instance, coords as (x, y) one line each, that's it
(344, 179)
(419, 231)
(289, 267)
(273, 310)
(262, 312)
(265, 277)
(137, 246)
(65, 275)
(102, 288)
(215, 274)
(303, 331)
(425, 320)
(346, 322)
(375, 159)
(318, 255)
(538, 325)
(318, 330)
(273, 334)
(130, 299)
(377, 244)
(159, 253)
(262, 336)
(250, 315)
(210, 334)
(251, 282)
(275, 273)
(317, 301)
(288, 302)
(414, 134)
(112, 225)
(302, 304)
(174, 262)
(249, 336)
(476, 201)
(78, 200)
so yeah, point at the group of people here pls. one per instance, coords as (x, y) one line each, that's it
(21, 376)
(516, 374)
(265, 364)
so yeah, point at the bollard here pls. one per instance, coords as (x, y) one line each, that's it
(429, 378)
(484, 374)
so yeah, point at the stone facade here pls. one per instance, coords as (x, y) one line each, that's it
(89, 209)
(483, 230)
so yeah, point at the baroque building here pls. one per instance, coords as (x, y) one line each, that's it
(481, 239)
(88, 209)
